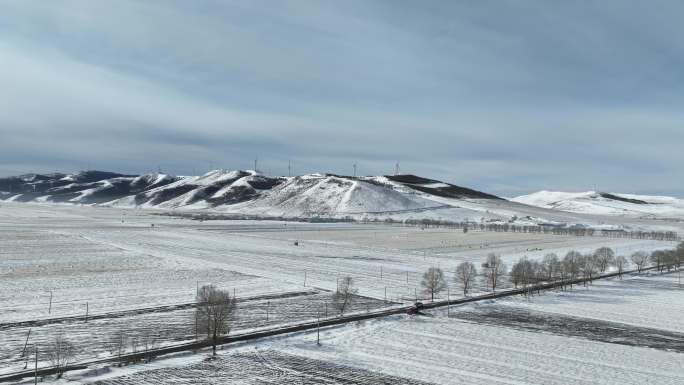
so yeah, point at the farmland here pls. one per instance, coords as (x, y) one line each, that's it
(461, 349)
(137, 271)
(462, 346)
(262, 367)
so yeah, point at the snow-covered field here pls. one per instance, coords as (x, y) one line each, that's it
(651, 300)
(456, 350)
(96, 337)
(115, 260)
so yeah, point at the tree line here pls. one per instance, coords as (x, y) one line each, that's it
(552, 229)
(551, 269)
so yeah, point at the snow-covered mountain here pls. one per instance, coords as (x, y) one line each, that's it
(244, 192)
(396, 198)
(601, 203)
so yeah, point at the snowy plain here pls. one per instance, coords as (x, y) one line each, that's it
(443, 348)
(55, 259)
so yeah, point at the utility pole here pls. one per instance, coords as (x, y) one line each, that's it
(26, 343)
(268, 303)
(318, 330)
(35, 371)
(448, 302)
(289, 168)
(354, 170)
(256, 160)
(50, 307)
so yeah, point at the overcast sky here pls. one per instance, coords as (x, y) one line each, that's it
(508, 97)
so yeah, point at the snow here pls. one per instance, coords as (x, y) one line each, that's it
(591, 202)
(327, 195)
(151, 179)
(114, 260)
(371, 198)
(651, 300)
(86, 193)
(109, 256)
(448, 350)
(445, 351)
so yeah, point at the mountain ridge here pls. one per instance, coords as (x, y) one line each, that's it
(396, 198)
(238, 190)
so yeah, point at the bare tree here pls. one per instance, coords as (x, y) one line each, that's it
(656, 259)
(494, 269)
(659, 259)
(466, 273)
(526, 273)
(433, 282)
(518, 273)
(60, 353)
(117, 344)
(135, 343)
(149, 342)
(550, 266)
(215, 312)
(670, 260)
(344, 295)
(620, 264)
(539, 274)
(588, 266)
(604, 256)
(571, 265)
(639, 259)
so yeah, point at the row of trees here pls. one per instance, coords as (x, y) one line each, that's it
(60, 351)
(551, 269)
(536, 229)
(465, 275)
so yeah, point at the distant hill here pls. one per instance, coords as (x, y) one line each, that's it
(602, 203)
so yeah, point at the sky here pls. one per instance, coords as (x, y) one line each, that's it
(507, 97)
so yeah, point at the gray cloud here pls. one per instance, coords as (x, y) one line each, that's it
(504, 96)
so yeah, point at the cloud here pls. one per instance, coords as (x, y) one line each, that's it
(507, 97)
